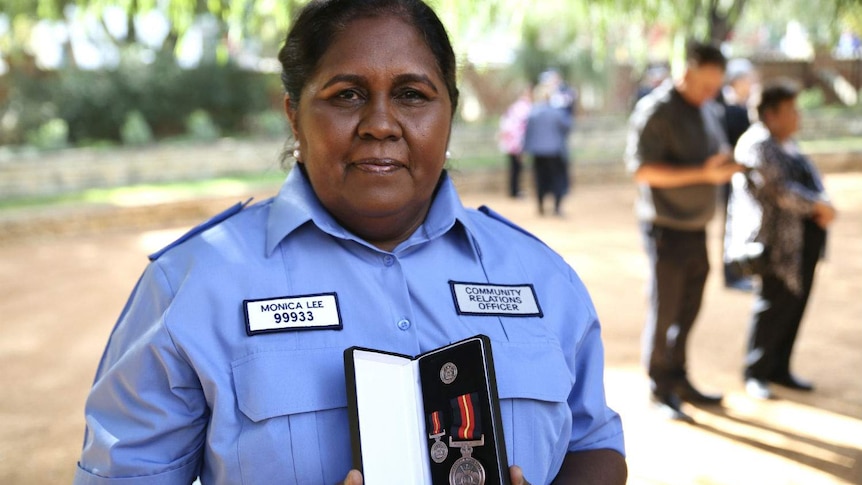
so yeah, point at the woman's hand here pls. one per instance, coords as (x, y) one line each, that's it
(516, 476)
(824, 213)
(354, 477)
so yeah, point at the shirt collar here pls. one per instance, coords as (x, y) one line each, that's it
(296, 204)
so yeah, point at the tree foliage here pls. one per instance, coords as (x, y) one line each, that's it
(570, 26)
(581, 38)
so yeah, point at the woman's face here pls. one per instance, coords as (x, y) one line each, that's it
(373, 124)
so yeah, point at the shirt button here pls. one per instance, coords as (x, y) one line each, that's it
(388, 260)
(404, 324)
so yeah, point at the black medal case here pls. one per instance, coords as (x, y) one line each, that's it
(431, 419)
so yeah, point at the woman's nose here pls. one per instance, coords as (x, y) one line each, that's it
(379, 120)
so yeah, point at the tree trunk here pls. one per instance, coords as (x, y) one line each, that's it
(719, 28)
(722, 22)
(69, 60)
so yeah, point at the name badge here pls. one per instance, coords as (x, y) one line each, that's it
(288, 313)
(495, 300)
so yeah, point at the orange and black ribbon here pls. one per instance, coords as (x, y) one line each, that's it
(467, 422)
(435, 423)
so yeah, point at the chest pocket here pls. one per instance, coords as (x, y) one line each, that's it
(294, 426)
(534, 382)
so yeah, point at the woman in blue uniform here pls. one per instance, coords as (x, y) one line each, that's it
(226, 363)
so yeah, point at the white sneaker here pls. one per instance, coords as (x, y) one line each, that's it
(758, 389)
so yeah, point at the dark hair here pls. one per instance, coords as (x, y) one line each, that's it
(702, 54)
(320, 20)
(774, 93)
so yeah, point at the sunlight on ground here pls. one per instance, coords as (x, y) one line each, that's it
(152, 241)
(153, 194)
(745, 442)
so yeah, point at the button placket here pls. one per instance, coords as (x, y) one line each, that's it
(394, 278)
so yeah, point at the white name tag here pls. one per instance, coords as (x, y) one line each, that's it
(303, 312)
(499, 300)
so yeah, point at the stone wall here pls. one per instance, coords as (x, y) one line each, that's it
(71, 170)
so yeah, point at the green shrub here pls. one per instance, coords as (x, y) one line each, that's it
(270, 124)
(810, 98)
(135, 130)
(200, 126)
(52, 135)
(25, 105)
(97, 106)
(91, 102)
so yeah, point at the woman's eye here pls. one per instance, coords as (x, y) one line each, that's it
(347, 95)
(413, 95)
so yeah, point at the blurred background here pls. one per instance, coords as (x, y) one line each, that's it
(100, 74)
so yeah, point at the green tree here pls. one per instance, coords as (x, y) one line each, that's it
(267, 20)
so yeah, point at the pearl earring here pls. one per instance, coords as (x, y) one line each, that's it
(448, 154)
(296, 150)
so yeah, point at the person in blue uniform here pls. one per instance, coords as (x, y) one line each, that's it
(226, 362)
(545, 139)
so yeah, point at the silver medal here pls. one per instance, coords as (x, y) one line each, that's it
(448, 373)
(439, 451)
(467, 470)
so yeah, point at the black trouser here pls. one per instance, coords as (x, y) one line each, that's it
(679, 266)
(514, 174)
(551, 176)
(778, 312)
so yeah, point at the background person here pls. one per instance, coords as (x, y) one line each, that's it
(545, 139)
(654, 76)
(369, 227)
(564, 98)
(794, 212)
(678, 154)
(734, 101)
(742, 83)
(510, 137)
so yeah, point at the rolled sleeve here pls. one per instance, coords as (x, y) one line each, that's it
(146, 413)
(184, 475)
(594, 424)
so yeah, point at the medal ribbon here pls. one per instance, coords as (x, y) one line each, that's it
(465, 410)
(434, 423)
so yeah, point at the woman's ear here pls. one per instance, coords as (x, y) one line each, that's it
(290, 111)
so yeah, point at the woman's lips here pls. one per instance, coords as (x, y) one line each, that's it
(378, 165)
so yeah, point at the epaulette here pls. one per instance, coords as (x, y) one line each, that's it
(495, 215)
(218, 218)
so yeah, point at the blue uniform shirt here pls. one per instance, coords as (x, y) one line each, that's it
(183, 390)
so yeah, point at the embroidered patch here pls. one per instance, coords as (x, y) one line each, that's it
(288, 313)
(495, 300)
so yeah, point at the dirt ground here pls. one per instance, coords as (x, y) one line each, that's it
(60, 295)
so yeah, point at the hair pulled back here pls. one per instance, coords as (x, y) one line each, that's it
(320, 21)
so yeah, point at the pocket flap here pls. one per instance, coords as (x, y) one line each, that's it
(531, 371)
(287, 382)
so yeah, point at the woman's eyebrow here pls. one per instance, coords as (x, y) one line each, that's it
(421, 78)
(399, 79)
(348, 78)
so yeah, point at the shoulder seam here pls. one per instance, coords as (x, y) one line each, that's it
(498, 217)
(213, 221)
